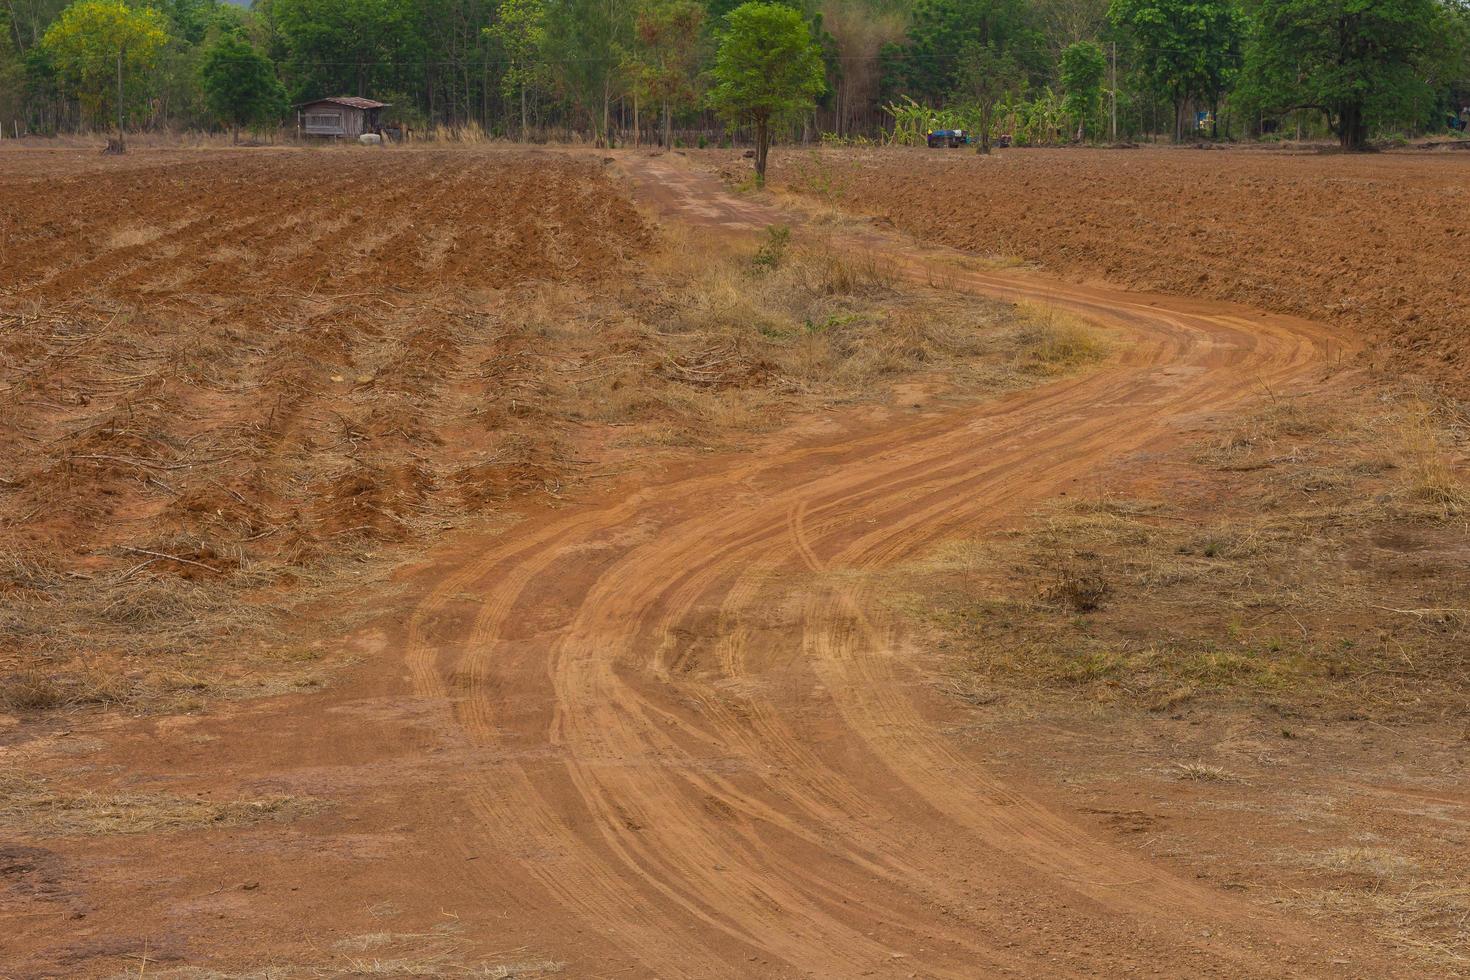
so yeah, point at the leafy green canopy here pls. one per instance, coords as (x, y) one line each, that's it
(990, 76)
(663, 64)
(340, 47)
(585, 40)
(944, 34)
(93, 40)
(1184, 48)
(1359, 61)
(767, 67)
(1082, 68)
(240, 84)
(519, 31)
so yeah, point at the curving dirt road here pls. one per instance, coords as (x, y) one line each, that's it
(715, 751)
(673, 734)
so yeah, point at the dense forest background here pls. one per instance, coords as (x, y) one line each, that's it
(635, 70)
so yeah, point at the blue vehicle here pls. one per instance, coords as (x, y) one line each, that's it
(949, 138)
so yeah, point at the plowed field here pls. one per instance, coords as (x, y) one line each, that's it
(1378, 243)
(224, 373)
(672, 724)
(274, 225)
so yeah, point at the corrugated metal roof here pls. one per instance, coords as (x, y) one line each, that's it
(351, 101)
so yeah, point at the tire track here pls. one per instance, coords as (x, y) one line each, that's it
(716, 791)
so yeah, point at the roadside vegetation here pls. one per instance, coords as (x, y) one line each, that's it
(1308, 557)
(1248, 658)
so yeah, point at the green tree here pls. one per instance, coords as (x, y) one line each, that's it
(665, 61)
(520, 32)
(1082, 68)
(944, 34)
(586, 41)
(1357, 61)
(240, 84)
(96, 44)
(767, 68)
(1185, 48)
(338, 47)
(991, 76)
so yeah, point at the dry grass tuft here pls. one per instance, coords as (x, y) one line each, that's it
(33, 806)
(1421, 444)
(1199, 772)
(1055, 343)
(30, 690)
(1375, 863)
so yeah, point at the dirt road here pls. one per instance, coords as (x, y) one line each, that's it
(1373, 241)
(670, 733)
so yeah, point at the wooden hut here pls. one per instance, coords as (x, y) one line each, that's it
(340, 117)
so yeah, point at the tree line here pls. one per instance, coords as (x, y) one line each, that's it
(650, 70)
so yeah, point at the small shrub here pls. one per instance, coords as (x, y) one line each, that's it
(773, 251)
(1053, 346)
(1080, 583)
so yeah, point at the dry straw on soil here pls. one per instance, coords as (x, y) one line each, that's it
(196, 447)
(1313, 554)
(38, 808)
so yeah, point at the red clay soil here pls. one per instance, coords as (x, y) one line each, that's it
(268, 223)
(1378, 242)
(666, 732)
(230, 368)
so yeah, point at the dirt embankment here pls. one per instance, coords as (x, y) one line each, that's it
(1376, 242)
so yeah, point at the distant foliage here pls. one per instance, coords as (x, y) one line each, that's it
(912, 121)
(1082, 68)
(1359, 62)
(1187, 49)
(549, 69)
(93, 40)
(240, 84)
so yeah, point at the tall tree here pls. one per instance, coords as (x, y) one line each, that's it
(586, 41)
(338, 47)
(520, 32)
(944, 33)
(1065, 22)
(1355, 60)
(1186, 49)
(665, 58)
(991, 75)
(240, 84)
(768, 67)
(1082, 68)
(97, 44)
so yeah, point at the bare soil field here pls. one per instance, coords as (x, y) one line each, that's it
(224, 374)
(234, 382)
(1375, 242)
(517, 563)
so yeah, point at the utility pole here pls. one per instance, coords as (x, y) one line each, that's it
(120, 144)
(1114, 89)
